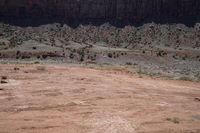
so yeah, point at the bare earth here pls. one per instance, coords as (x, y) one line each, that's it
(66, 99)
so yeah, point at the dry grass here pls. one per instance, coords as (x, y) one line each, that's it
(41, 68)
(174, 120)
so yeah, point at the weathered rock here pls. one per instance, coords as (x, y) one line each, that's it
(134, 10)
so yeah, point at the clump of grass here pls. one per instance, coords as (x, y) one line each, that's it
(174, 120)
(41, 68)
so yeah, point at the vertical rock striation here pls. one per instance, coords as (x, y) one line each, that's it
(134, 10)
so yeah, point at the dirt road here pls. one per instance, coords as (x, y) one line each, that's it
(66, 99)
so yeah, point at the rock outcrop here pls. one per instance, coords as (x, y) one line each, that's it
(134, 10)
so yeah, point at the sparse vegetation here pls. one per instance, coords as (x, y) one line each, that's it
(185, 78)
(87, 42)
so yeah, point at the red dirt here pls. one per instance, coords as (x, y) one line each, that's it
(59, 98)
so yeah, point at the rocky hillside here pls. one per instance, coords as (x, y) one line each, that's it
(164, 47)
(134, 10)
(170, 49)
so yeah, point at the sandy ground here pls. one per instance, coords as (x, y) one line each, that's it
(66, 99)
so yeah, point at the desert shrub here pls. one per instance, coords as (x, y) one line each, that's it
(175, 56)
(18, 52)
(198, 57)
(23, 57)
(2, 43)
(128, 63)
(184, 57)
(26, 57)
(82, 55)
(81, 59)
(71, 56)
(161, 53)
(14, 41)
(52, 41)
(16, 68)
(44, 56)
(110, 55)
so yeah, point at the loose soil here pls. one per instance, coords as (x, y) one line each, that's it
(77, 99)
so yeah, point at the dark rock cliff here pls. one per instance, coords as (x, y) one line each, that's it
(130, 10)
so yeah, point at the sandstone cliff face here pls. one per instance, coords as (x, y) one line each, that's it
(134, 10)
